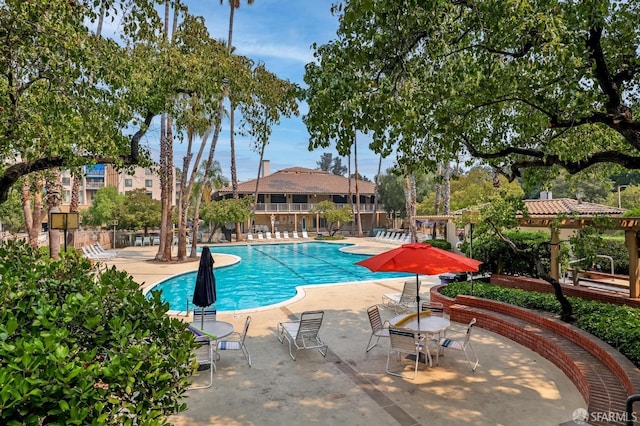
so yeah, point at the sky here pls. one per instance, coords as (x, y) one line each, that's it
(280, 34)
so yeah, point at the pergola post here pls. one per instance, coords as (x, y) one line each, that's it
(555, 252)
(631, 241)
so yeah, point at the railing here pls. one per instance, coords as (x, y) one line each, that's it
(306, 207)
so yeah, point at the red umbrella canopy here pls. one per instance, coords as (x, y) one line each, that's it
(420, 258)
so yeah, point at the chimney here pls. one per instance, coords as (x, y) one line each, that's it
(546, 195)
(265, 168)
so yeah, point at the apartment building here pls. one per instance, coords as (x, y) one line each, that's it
(101, 175)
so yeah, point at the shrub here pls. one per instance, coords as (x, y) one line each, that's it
(441, 244)
(615, 248)
(497, 257)
(613, 324)
(81, 348)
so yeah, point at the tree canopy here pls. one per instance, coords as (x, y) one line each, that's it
(518, 84)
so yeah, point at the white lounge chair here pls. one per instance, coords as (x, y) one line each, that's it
(260, 236)
(146, 241)
(268, 235)
(304, 234)
(138, 242)
(407, 342)
(285, 235)
(250, 236)
(461, 345)
(204, 354)
(295, 234)
(97, 248)
(235, 341)
(378, 328)
(278, 237)
(402, 302)
(303, 334)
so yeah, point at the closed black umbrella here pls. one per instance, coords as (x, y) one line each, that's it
(204, 294)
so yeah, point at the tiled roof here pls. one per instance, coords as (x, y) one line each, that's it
(299, 180)
(569, 206)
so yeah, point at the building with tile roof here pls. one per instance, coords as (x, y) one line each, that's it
(287, 198)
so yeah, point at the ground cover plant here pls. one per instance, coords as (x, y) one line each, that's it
(78, 347)
(613, 324)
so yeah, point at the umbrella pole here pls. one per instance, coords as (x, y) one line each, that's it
(418, 299)
(202, 318)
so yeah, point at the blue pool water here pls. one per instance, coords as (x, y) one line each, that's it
(269, 274)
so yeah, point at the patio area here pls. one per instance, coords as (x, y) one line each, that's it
(512, 384)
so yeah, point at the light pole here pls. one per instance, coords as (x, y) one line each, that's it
(114, 223)
(619, 200)
(471, 217)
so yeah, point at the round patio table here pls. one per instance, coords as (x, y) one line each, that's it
(215, 328)
(429, 324)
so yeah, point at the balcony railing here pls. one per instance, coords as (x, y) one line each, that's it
(306, 207)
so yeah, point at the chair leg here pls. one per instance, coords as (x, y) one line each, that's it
(473, 368)
(369, 345)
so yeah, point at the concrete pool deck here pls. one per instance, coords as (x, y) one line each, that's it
(512, 385)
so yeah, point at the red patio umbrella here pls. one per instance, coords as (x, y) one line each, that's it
(420, 258)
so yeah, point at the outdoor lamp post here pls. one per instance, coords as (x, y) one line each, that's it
(114, 223)
(64, 221)
(471, 217)
(619, 200)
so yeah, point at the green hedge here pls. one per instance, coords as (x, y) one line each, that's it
(615, 248)
(441, 244)
(498, 258)
(613, 324)
(82, 348)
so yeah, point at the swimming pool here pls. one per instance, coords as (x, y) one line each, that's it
(269, 273)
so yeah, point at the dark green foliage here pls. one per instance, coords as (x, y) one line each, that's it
(616, 325)
(441, 244)
(497, 257)
(80, 348)
(618, 251)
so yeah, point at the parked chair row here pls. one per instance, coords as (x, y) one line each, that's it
(97, 253)
(277, 235)
(393, 237)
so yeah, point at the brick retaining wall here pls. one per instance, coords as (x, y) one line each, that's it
(544, 334)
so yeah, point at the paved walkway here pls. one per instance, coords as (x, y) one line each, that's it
(512, 385)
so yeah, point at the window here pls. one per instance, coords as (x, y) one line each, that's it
(278, 198)
(148, 171)
(298, 198)
(66, 181)
(128, 183)
(148, 183)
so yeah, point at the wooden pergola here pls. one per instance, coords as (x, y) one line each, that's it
(630, 226)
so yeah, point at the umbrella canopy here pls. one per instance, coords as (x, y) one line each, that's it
(204, 294)
(420, 258)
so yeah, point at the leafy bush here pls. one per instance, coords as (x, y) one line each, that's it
(81, 348)
(618, 251)
(497, 257)
(613, 324)
(441, 244)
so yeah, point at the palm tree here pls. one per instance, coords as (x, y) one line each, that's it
(233, 5)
